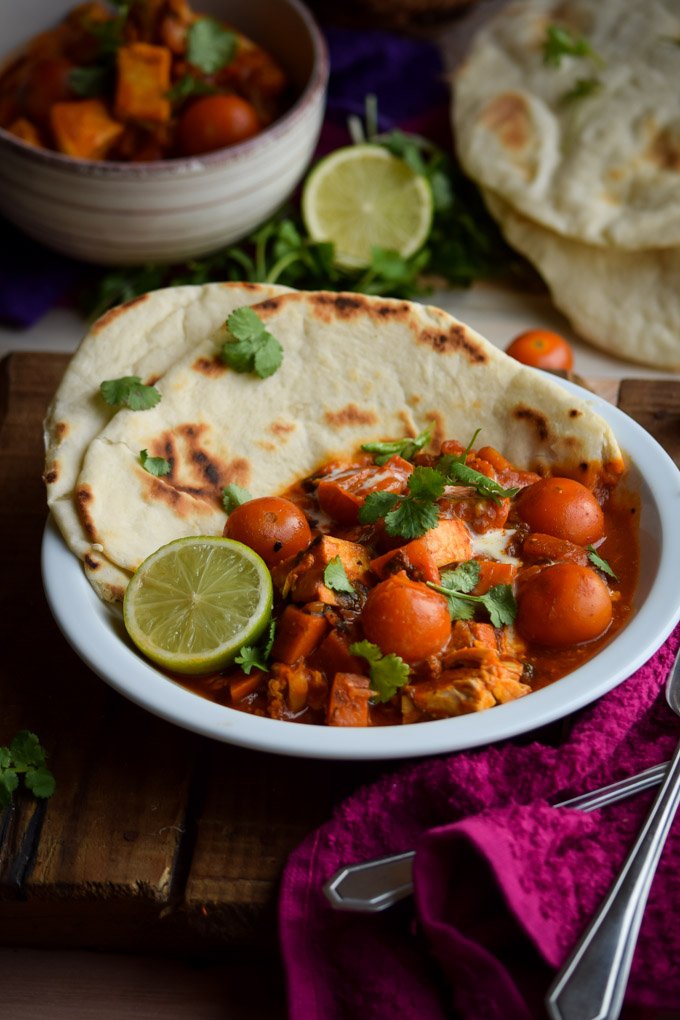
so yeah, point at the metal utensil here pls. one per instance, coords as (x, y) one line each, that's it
(374, 885)
(592, 983)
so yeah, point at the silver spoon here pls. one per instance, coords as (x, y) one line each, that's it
(592, 983)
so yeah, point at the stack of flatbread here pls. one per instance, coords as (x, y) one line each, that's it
(577, 151)
(354, 369)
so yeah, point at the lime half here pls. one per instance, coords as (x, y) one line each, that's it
(360, 197)
(194, 602)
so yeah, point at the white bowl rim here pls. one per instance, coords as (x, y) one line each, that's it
(104, 168)
(95, 632)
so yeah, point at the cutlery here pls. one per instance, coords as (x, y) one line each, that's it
(592, 983)
(374, 885)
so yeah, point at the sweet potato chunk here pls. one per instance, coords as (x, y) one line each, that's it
(305, 583)
(143, 83)
(348, 700)
(448, 542)
(84, 129)
(297, 635)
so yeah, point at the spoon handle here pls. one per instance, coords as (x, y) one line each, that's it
(592, 983)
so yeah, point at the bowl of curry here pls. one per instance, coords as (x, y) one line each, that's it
(424, 603)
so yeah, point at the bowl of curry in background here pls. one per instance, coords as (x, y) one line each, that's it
(127, 203)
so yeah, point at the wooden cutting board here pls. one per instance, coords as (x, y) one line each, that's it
(155, 838)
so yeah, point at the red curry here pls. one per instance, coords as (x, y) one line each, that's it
(512, 581)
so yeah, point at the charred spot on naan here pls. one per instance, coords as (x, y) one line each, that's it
(210, 366)
(508, 117)
(664, 150)
(113, 313)
(330, 307)
(350, 415)
(83, 497)
(454, 340)
(535, 419)
(195, 471)
(282, 429)
(52, 475)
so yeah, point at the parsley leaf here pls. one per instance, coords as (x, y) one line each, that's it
(157, 466)
(233, 496)
(24, 756)
(499, 601)
(411, 515)
(600, 563)
(210, 46)
(560, 42)
(253, 348)
(129, 391)
(335, 576)
(406, 448)
(388, 672)
(255, 656)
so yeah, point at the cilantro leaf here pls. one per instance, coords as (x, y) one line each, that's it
(410, 515)
(499, 601)
(463, 578)
(234, 495)
(335, 576)
(90, 81)
(129, 391)
(600, 563)
(189, 85)
(210, 46)
(406, 448)
(255, 656)
(252, 348)
(485, 486)
(584, 87)
(157, 466)
(560, 42)
(388, 672)
(26, 756)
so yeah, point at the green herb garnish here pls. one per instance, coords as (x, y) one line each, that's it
(598, 562)
(560, 42)
(406, 448)
(456, 584)
(90, 81)
(210, 46)
(253, 348)
(129, 391)
(157, 466)
(411, 515)
(584, 87)
(233, 496)
(24, 756)
(335, 576)
(388, 672)
(255, 656)
(454, 469)
(188, 86)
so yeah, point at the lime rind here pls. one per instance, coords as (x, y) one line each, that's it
(193, 603)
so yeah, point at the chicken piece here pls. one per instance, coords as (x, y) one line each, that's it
(302, 580)
(348, 700)
(84, 129)
(469, 633)
(292, 689)
(143, 83)
(473, 679)
(448, 542)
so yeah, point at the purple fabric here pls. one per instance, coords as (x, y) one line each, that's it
(32, 278)
(504, 884)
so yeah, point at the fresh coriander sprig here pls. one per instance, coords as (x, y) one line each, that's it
(256, 656)
(583, 87)
(234, 495)
(406, 448)
(454, 469)
(600, 563)
(129, 391)
(456, 584)
(560, 42)
(407, 515)
(335, 577)
(252, 347)
(157, 466)
(24, 756)
(388, 672)
(210, 46)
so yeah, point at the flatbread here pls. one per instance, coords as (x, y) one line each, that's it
(142, 337)
(625, 303)
(354, 369)
(603, 169)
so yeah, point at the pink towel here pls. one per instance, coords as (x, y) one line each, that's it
(504, 883)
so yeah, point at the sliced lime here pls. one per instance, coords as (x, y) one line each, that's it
(362, 196)
(194, 602)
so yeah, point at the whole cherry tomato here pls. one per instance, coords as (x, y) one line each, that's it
(214, 122)
(541, 348)
(563, 508)
(563, 604)
(407, 618)
(274, 527)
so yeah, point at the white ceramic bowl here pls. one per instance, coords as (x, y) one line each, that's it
(132, 213)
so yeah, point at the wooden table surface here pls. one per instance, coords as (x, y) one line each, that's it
(155, 839)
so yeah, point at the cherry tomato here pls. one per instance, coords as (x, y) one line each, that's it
(47, 83)
(274, 527)
(563, 508)
(564, 604)
(214, 122)
(407, 618)
(542, 348)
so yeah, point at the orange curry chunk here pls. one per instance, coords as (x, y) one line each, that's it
(448, 542)
(304, 580)
(348, 701)
(143, 83)
(84, 129)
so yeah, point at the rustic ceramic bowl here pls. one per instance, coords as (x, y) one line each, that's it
(170, 210)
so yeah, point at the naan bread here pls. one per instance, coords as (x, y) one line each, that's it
(354, 369)
(625, 303)
(604, 168)
(143, 337)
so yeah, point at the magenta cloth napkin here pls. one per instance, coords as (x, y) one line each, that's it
(504, 883)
